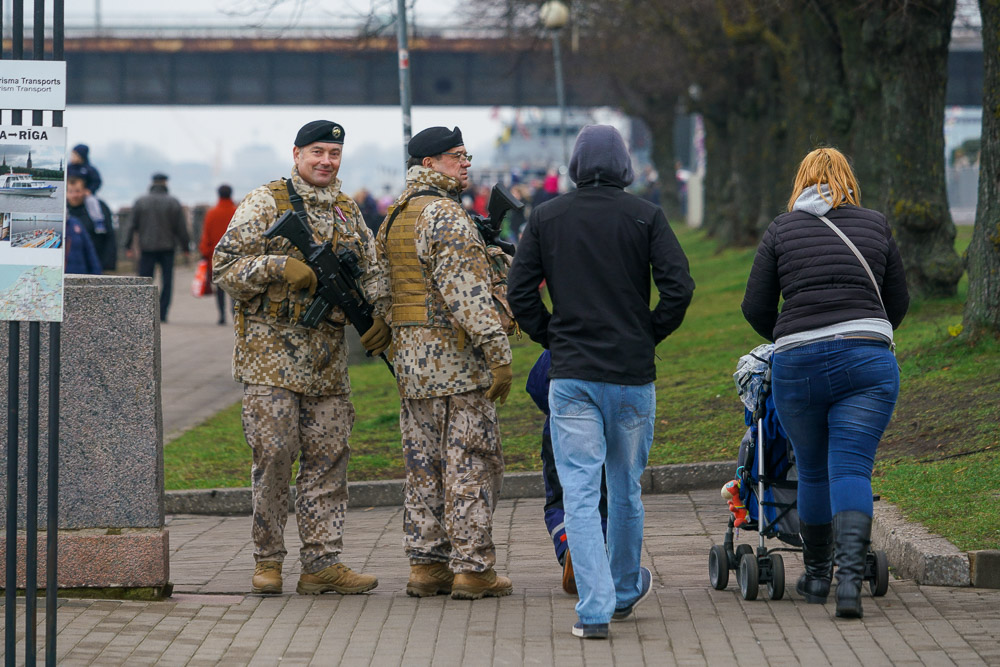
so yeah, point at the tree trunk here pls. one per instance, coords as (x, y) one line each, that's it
(661, 126)
(717, 183)
(910, 54)
(659, 117)
(982, 308)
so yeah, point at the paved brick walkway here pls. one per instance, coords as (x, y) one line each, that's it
(196, 358)
(212, 621)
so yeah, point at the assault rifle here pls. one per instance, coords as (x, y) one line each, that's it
(336, 276)
(501, 201)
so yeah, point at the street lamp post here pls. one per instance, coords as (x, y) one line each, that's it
(404, 75)
(554, 15)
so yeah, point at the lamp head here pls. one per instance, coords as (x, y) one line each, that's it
(554, 14)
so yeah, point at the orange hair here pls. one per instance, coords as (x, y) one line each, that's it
(830, 167)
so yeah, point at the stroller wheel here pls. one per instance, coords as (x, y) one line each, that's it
(776, 586)
(878, 584)
(718, 567)
(740, 551)
(747, 576)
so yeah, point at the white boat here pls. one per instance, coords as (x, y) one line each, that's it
(24, 184)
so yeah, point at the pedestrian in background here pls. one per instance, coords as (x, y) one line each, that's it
(833, 374)
(369, 209)
(79, 160)
(214, 226)
(296, 390)
(537, 387)
(594, 247)
(100, 228)
(159, 225)
(453, 363)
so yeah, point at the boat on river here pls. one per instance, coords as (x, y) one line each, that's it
(25, 185)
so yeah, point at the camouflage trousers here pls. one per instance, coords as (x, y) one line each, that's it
(454, 470)
(280, 426)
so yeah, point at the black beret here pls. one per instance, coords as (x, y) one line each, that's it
(320, 130)
(434, 141)
(160, 177)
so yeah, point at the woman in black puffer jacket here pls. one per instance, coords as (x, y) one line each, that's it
(834, 377)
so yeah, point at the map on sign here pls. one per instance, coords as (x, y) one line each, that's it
(32, 223)
(30, 293)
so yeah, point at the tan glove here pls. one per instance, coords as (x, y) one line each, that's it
(298, 275)
(377, 338)
(503, 376)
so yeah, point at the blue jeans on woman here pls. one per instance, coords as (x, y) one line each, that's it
(601, 426)
(834, 399)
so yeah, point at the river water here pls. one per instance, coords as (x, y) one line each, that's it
(53, 204)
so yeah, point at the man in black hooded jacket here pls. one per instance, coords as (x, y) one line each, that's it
(594, 247)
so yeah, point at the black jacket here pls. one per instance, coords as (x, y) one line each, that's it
(594, 248)
(819, 277)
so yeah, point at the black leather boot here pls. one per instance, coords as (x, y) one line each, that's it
(817, 554)
(852, 533)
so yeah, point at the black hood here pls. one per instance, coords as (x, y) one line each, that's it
(600, 157)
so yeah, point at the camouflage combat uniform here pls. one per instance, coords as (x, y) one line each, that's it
(446, 338)
(296, 399)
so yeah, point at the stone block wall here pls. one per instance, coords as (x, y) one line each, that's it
(110, 428)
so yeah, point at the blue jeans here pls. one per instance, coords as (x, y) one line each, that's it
(600, 426)
(835, 399)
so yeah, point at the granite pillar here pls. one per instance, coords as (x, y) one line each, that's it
(111, 435)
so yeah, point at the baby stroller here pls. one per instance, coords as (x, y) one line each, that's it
(767, 488)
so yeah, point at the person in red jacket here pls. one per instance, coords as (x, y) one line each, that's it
(216, 222)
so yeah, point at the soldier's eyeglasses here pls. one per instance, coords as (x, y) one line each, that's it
(460, 156)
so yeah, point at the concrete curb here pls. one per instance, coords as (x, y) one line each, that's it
(917, 554)
(659, 479)
(913, 552)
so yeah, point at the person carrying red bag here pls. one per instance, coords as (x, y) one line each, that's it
(216, 221)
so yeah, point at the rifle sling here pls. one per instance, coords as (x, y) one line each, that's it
(399, 209)
(296, 201)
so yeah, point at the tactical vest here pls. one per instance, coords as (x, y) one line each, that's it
(277, 303)
(410, 297)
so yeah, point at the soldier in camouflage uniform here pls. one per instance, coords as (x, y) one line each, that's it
(452, 363)
(296, 399)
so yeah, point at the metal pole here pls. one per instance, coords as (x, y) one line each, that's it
(31, 499)
(38, 47)
(17, 46)
(404, 75)
(55, 332)
(52, 522)
(560, 96)
(13, 395)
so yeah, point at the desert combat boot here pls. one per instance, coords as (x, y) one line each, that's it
(429, 579)
(337, 578)
(266, 577)
(475, 585)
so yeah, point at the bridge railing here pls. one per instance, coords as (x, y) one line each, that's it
(240, 27)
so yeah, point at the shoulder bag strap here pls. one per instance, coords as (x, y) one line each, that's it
(857, 253)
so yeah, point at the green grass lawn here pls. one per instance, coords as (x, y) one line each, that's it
(946, 425)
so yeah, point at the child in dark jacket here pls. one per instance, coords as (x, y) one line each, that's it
(538, 388)
(79, 165)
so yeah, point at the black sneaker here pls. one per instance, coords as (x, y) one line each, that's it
(645, 588)
(590, 630)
